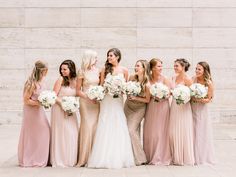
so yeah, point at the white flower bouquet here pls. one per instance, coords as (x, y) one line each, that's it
(198, 90)
(96, 92)
(114, 84)
(132, 88)
(47, 98)
(70, 104)
(181, 94)
(159, 91)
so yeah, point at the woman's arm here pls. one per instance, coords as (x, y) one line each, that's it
(188, 82)
(102, 77)
(126, 74)
(210, 94)
(79, 92)
(27, 98)
(145, 99)
(57, 87)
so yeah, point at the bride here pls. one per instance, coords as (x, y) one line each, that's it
(112, 145)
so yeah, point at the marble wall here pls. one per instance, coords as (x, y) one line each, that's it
(55, 30)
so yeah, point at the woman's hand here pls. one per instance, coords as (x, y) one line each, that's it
(131, 97)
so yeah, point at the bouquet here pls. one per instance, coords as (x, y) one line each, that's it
(159, 91)
(47, 98)
(198, 90)
(132, 88)
(96, 92)
(114, 84)
(181, 94)
(69, 104)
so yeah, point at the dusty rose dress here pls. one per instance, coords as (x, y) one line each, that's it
(181, 133)
(33, 149)
(203, 139)
(89, 117)
(64, 134)
(156, 132)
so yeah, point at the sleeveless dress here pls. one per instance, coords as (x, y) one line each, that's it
(112, 145)
(89, 118)
(135, 112)
(64, 134)
(156, 132)
(181, 133)
(33, 148)
(203, 139)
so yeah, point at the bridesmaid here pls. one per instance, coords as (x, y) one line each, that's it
(33, 149)
(135, 107)
(156, 124)
(89, 110)
(203, 139)
(181, 120)
(64, 128)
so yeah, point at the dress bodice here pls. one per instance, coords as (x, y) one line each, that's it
(67, 91)
(90, 78)
(39, 88)
(174, 84)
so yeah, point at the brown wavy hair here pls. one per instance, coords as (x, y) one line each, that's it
(108, 66)
(72, 68)
(145, 65)
(207, 72)
(36, 75)
(184, 63)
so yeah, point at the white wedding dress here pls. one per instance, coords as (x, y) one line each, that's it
(112, 145)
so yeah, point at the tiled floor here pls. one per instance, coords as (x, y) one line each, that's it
(225, 146)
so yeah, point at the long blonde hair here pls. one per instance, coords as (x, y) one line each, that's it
(36, 75)
(145, 65)
(88, 59)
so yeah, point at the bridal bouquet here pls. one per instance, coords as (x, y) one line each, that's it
(114, 84)
(198, 90)
(132, 88)
(47, 98)
(69, 104)
(159, 91)
(181, 94)
(96, 92)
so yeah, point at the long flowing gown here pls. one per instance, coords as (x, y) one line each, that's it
(203, 139)
(156, 132)
(112, 145)
(181, 133)
(135, 112)
(89, 118)
(64, 134)
(33, 148)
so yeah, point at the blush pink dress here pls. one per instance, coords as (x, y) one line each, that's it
(156, 132)
(64, 134)
(33, 148)
(181, 133)
(203, 139)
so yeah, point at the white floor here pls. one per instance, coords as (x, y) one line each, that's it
(225, 145)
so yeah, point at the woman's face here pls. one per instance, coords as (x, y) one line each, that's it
(157, 69)
(65, 70)
(139, 68)
(112, 59)
(178, 68)
(199, 71)
(45, 71)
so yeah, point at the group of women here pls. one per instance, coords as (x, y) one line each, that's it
(109, 134)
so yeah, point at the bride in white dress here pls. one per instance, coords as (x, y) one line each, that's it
(112, 145)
